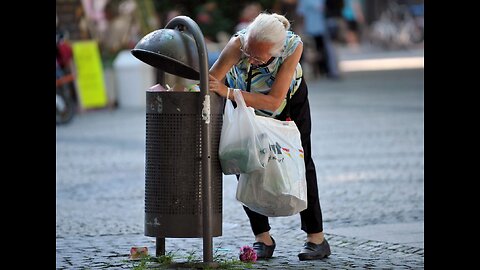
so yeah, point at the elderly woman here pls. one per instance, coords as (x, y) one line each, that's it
(263, 61)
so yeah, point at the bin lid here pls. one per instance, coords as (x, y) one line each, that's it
(170, 50)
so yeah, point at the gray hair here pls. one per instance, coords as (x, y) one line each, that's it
(271, 28)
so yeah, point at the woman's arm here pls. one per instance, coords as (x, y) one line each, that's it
(230, 56)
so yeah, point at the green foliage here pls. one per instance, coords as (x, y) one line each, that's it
(192, 259)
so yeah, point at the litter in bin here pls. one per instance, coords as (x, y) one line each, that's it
(156, 88)
(193, 88)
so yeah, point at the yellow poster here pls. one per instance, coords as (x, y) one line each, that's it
(89, 74)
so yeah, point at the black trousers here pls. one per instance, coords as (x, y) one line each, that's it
(311, 217)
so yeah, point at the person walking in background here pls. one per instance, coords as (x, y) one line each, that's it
(353, 14)
(249, 13)
(288, 8)
(314, 24)
(263, 62)
(335, 21)
(212, 21)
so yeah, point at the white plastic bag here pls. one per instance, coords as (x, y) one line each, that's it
(243, 145)
(280, 189)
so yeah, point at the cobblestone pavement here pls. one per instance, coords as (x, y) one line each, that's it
(368, 140)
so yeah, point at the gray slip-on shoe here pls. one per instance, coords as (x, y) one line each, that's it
(264, 251)
(313, 251)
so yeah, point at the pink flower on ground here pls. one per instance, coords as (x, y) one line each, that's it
(248, 254)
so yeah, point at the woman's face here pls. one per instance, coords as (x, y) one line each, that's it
(257, 52)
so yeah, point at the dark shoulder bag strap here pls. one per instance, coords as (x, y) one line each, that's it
(287, 106)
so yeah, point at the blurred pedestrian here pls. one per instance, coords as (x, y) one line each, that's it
(249, 13)
(263, 61)
(288, 8)
(353, 14)
(314, 24)
(212, 21)
(335, 21)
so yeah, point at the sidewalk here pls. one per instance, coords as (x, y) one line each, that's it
(406, 234)
(366, 51)
(368, 58)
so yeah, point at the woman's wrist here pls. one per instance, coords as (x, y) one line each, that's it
(229, 93)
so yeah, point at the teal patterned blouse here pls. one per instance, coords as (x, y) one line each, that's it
(264, 76)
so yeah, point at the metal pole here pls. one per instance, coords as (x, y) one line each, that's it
(194, 29)
(160, 241)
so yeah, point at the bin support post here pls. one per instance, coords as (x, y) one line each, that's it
(160, 247)
(194, 29)
(160, 241)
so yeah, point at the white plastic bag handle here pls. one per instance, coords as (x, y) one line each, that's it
(237, 93)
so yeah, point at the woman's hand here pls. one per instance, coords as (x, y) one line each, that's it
(216, 86)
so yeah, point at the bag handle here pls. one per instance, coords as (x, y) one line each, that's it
(239, 98)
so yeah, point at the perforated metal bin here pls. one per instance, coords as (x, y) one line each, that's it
(173, 164)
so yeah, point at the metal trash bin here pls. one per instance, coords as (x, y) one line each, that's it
(173, 164)
(183, 177)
